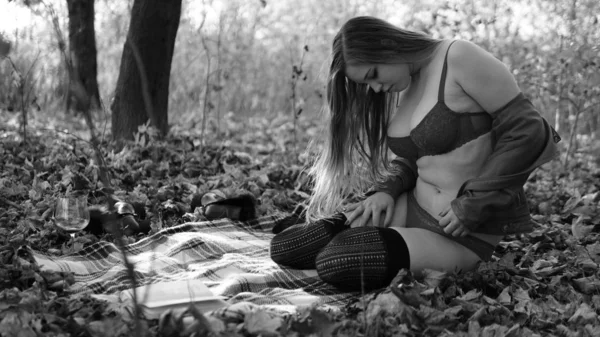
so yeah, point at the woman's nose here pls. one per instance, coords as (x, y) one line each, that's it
(376, 86)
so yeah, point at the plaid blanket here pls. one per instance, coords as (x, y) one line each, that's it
(230, 257)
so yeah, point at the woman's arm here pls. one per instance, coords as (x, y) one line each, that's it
(404, 180)
(481, 76)
(520, 134)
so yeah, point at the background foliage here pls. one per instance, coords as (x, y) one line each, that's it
(269, 58)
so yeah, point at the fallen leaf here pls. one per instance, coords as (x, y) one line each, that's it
(571, 203)
(384, 302)
(262, 322)
(107, 327)
(473, 294)
(435, 319)
(388, 303)
(594, 251)
(316, 322)
(494, 330)
(17, 324)
(592, 330)
(521, 295)
(504, 297)
(579, 229)
(584, 315)
(508, 261)
(587, 285)
(474, 329)
(433, 277)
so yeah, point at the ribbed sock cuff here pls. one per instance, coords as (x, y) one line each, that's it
(398, 256)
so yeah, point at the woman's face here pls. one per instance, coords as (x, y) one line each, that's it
(381, 77)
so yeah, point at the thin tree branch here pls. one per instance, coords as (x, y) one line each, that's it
(66, 133)
(566, 98)
(29, 72)
(10, 203)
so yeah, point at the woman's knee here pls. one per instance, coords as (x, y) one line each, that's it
(371, 255)
(277, 249)
(291, 249)
(298, 246)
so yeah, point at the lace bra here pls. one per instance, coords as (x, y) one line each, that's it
(442, 129)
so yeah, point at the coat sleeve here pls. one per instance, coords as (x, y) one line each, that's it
(404, 180)
(522, 141)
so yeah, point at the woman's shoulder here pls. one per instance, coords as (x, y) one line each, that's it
(481, 75)
(464, 51)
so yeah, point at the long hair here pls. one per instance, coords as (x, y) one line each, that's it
(354, 157)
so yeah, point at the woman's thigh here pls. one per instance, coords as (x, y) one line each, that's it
(400, 211)
(429, 250)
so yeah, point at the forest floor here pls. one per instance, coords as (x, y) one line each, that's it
(546, 283)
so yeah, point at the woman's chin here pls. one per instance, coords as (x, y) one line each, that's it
(397, 89)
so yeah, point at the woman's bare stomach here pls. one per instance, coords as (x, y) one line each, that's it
(441, 176)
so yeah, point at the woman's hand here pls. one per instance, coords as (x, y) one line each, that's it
(372, 208)
(452, 224)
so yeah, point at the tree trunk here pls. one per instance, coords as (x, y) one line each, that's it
(144, 95)
(83, 86)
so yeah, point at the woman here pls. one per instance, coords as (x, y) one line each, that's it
(464, 140)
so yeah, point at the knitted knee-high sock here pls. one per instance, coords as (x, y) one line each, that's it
(298, 246)
(379, 252)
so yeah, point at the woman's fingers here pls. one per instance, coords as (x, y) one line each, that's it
(445, 221)
(350, 207)
(356, 212)
(364, 218)
(451, 227)
(388, 216)
(376, 218)
(456, 229)
(445, 211)
(361, 214)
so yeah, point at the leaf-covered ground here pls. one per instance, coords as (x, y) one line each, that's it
(541, 284)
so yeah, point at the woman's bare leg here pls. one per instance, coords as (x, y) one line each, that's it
(429, 250)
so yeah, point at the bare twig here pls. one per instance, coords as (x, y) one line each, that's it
(66, 133)
(206, 88)
(543, 87)
(10, 203)
(203, 39)
(566, 98)
(219, 73)
(104, 176)
(297, 72)
(21, 89)
(560, 88)
(29, 73)
(572, 136)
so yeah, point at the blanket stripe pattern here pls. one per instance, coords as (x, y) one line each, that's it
(230, 257)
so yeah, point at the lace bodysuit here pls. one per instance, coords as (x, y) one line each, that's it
(442, 129)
